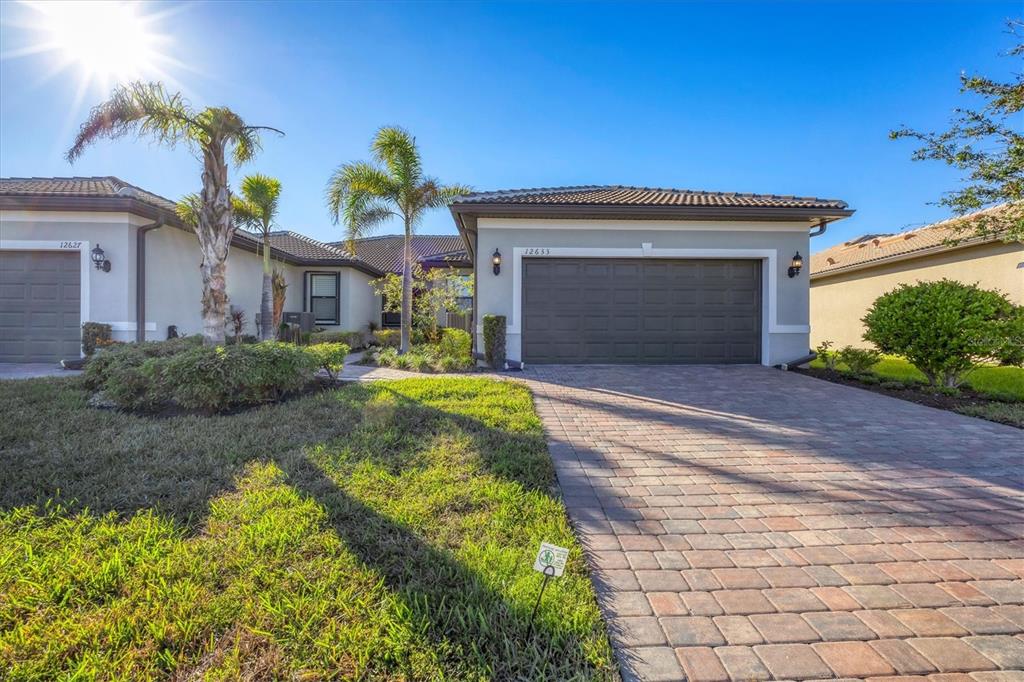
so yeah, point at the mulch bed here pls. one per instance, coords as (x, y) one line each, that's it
(914, 393)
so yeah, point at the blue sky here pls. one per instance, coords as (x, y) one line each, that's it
(788, 98)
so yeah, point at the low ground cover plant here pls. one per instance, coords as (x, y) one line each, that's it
(452, 353)
(372, 532)
(184, 374)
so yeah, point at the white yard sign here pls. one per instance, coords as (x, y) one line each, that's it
(551, 557)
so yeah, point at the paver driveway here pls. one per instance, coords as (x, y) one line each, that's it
(745, 523)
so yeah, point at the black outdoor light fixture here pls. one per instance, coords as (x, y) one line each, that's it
(99, 258)
(496, 259)
(794, 267)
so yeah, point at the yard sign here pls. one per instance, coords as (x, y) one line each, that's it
(551, 557)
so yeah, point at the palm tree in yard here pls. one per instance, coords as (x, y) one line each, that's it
(256, 210)
(147, 110)
(363, 195)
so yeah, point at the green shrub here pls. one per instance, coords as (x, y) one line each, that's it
(859, 360)
(354, 340)
(419, 362)
(494, 340)
(943, 328)
(386, 357)
(827, 355)
(893, 385)
(456, 343)
(389, 338)
(402, 361)
(1011, 335)
(448, 364)
(329, 356)
(93, 334)
(110, 359)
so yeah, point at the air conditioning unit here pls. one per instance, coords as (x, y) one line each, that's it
(306, 321)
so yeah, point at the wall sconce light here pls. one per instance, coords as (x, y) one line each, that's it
(794, 267)
(99, 258)
(496, 260)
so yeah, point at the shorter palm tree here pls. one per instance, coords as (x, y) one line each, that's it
(255, 210)
(367, 194)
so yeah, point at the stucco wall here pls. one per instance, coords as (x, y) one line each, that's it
(838, 302)
(785, 301)
(173, 281)
(111, 296)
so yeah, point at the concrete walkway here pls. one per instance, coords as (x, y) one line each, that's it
(744, 523)
(33, 370)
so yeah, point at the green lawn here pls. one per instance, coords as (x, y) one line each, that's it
(380, 531)
(999, 382)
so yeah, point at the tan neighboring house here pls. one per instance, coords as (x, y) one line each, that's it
(847, 278)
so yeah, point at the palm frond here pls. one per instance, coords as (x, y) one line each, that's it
(188, 208)
(363, 214)
(145, 109)
(396, 149)
(261, 196)
(358, 178)
(432, 194)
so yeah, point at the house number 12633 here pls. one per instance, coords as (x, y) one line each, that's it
(537, 252)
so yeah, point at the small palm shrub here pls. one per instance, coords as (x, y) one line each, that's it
(859, 360)
(943, 328)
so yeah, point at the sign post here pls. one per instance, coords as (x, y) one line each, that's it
(551, 562)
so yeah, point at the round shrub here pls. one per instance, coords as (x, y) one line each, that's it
(943, 328)
(329, 356)
(859, 360)
(456, 343)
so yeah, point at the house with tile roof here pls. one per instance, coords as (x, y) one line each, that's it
(586, 274)
(847, 278)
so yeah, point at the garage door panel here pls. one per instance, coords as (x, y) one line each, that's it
(641, 311)
(40, 299)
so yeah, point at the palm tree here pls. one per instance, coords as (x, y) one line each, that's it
(366, 194)
(256, 210)
(147, 110)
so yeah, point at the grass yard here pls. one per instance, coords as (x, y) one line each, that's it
(378, 532)
(997, 382)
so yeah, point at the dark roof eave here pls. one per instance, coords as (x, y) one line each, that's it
(592, 211)
(146, 210)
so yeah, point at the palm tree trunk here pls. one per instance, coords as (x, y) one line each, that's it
(215, 230)
(407, 290)
(267, 298)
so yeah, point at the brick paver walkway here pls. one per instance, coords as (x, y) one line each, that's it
(744, 523)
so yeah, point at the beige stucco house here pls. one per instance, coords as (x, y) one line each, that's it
(847, 278)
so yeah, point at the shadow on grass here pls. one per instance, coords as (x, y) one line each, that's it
(106, 461)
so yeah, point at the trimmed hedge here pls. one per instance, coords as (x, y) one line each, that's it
(388, 338)
(494, 340)
(185, 374)
(354, 340)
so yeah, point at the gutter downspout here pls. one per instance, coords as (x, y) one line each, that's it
(822, 226)
(140, 278)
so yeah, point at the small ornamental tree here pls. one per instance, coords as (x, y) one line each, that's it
(434, 291)
(943, 328)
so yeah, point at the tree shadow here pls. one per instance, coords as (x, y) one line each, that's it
(124, 463)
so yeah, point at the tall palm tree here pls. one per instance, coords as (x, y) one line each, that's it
(256, 211)
(147, 110)
(366, 194)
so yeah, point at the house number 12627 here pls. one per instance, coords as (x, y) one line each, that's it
(537, 252)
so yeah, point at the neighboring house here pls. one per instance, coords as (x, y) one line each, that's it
(847, 278)
(49, 285)
(387, 253)
(610, 274)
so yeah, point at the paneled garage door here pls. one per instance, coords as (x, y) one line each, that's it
(40, 306)
(641, 311)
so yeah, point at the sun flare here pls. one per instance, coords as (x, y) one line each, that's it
(105, 41)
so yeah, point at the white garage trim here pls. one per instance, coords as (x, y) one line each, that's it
(85, 263)
(769, 279)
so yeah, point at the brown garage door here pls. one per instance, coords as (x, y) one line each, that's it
(40, 306)
(641, 311)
